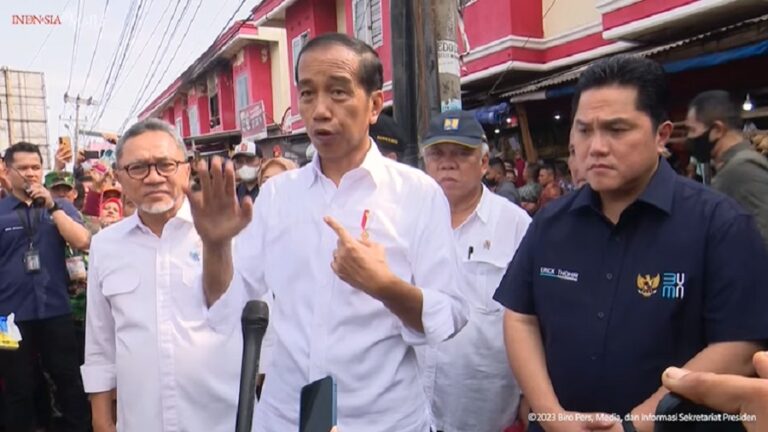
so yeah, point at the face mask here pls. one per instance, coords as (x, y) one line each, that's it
(701, 147)
(248, 173)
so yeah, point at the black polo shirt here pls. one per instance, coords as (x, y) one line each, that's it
(36, 295)
(684, 267)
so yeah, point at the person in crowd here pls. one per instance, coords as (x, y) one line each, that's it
(577, 172)
(111, 211)
(35, 229)
(467, 378)
(605, 293)
(61, 185)
(732, 394)
(520, 168)
(388, 137)
(273, 167)
(147, 333)
(510, 174)
(496, 180)
(377, 280)
(550, 188)
(714, 130)
(247, 158)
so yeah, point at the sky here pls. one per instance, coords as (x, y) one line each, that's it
(49, 49)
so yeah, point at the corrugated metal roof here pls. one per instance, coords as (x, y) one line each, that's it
(574, 73)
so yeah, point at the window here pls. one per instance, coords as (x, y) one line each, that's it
(241, 95)
(296, 45)
(194, 121)
(367, 22)
(213, 101)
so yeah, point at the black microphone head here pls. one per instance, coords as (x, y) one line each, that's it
(255, 313)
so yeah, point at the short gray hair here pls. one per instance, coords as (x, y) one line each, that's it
(149, 125)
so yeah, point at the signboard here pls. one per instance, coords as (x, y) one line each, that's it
(253, 122)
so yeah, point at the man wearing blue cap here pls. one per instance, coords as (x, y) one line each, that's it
(467, 379)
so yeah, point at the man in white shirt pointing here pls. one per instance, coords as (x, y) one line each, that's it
(356, 248)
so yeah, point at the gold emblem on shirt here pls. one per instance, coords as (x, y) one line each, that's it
(647, 285)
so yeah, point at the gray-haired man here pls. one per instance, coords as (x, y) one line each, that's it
(148, 333)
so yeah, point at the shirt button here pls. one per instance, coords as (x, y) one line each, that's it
(609, 276)
(600, 315)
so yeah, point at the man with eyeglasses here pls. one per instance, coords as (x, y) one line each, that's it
(147, 327)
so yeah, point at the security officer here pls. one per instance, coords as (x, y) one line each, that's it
(637, 271)
(388, 136)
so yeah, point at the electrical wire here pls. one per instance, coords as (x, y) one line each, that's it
(75, 40)
(96, 47)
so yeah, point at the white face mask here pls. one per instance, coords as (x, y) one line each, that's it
(248, 173)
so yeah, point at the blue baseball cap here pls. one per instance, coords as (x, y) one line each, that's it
(456, 127)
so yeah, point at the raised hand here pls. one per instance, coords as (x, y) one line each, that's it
(360, 263)
(217, 214)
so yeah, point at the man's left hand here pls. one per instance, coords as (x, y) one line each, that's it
(645, 410)
(36, 190)
(360, 263)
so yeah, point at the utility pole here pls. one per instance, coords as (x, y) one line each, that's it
(414, 83)
(78, 101)
(445, 19)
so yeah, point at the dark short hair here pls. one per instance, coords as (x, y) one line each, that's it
(370, 72)
(547, 167)
(644, 75)
(21, 147)
(498, 163)
(716, 105)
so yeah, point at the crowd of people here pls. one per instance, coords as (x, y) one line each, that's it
(476, 295)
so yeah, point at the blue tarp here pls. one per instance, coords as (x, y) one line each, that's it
(718, 58)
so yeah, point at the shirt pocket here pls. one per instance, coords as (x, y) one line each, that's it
(485, 270)
(119, 282)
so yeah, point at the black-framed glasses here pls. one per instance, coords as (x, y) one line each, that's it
(140, 170)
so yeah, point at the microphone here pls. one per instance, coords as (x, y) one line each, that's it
(255, 319)
(706, 173)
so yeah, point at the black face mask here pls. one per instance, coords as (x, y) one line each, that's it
(701, 147)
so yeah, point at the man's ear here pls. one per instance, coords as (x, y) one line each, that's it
(663, 133)
(377, 104)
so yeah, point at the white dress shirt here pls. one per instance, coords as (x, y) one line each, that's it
(467, 378)
(147, 331)
(324, 326)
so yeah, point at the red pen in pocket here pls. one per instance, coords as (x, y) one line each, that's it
(364, 224)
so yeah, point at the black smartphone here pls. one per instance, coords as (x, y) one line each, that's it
(92, 154)
(677, 414)
(317, 412)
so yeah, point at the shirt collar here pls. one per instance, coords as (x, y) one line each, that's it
(11, 202)
(373, 164)
(483, 209)
(731, 152)
(659, 192)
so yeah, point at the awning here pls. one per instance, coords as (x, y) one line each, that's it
(542, 87)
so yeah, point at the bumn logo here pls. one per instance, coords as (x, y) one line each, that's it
(673, 285)
(35, 20)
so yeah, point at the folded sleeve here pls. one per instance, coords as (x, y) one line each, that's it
(436, 271)
(98, 370)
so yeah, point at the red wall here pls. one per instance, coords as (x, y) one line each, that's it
(201, 100)
(260, 77)
(487, 21)
(180, 111)
(638, 11)
(226, 88)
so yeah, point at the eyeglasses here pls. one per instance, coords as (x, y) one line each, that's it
(140, 171)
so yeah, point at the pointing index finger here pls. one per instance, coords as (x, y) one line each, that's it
(342, 233)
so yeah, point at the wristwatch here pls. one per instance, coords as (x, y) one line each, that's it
(54, 208)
